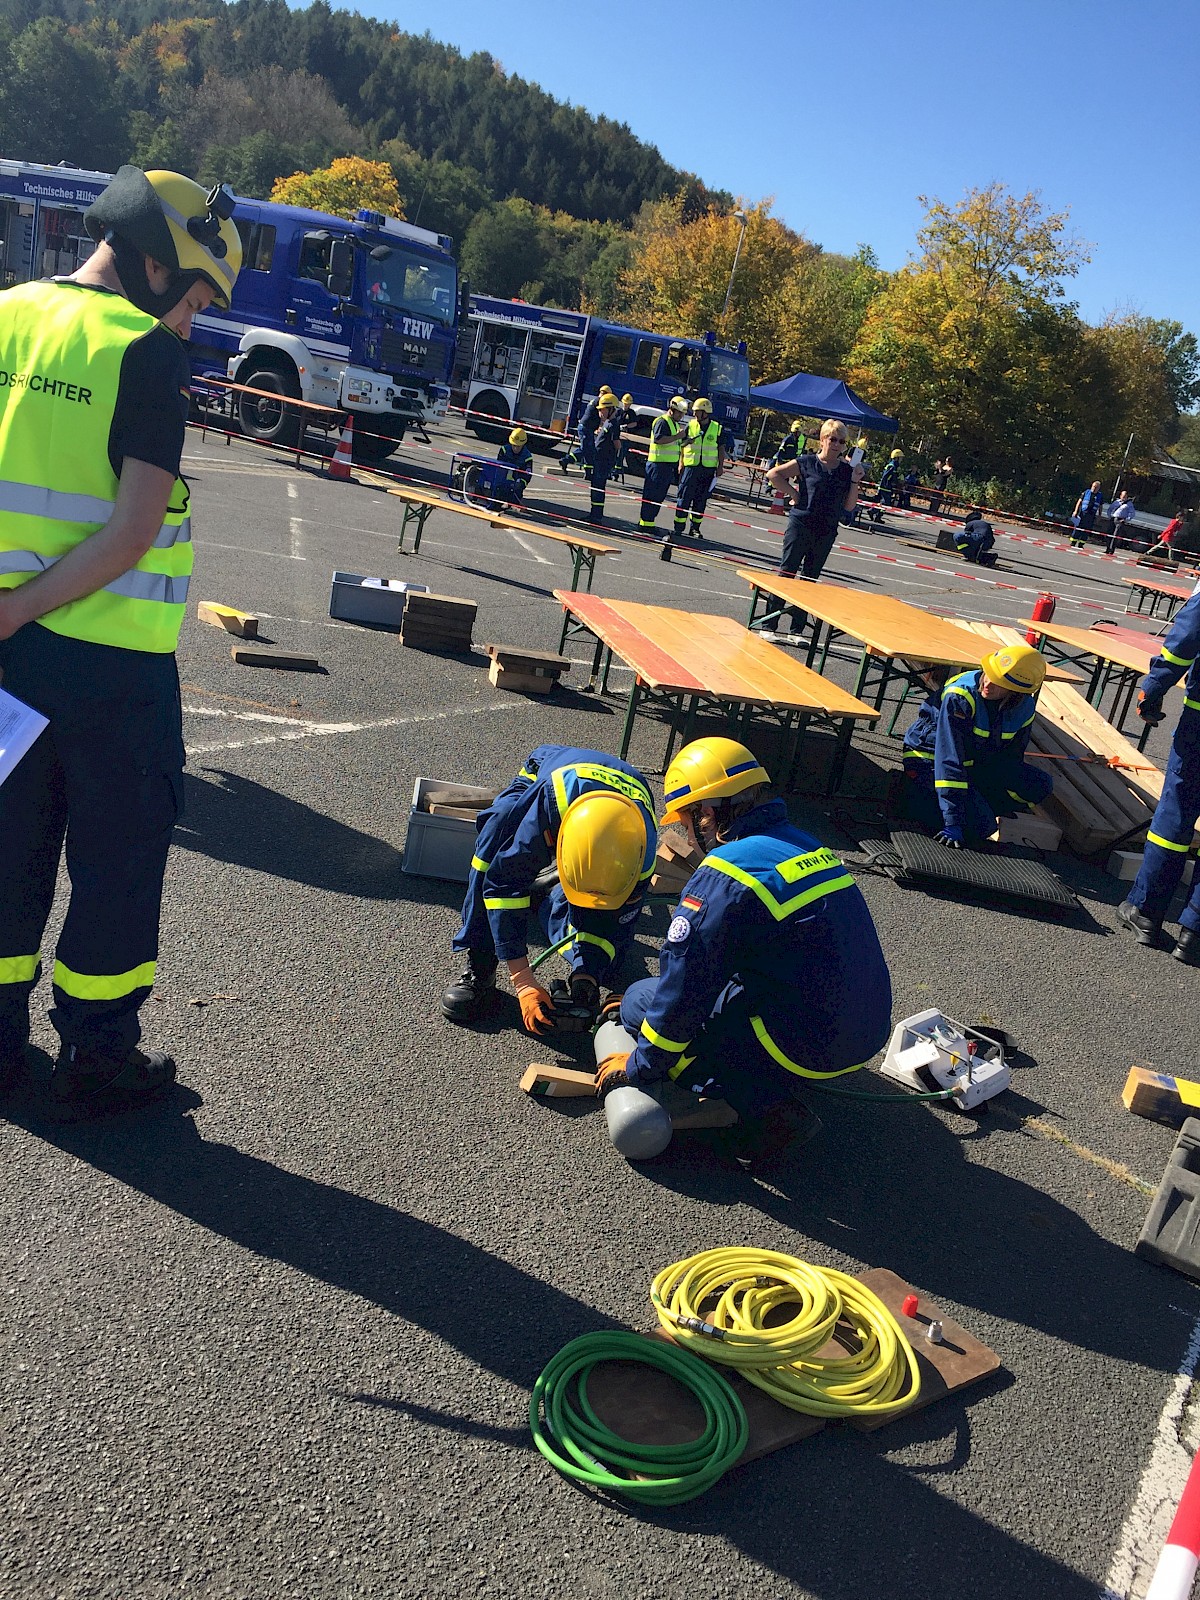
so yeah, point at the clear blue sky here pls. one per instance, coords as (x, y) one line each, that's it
(845, 114)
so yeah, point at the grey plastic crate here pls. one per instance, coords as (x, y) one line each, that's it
(354, 598)
(1170, 1236)
(439, 847)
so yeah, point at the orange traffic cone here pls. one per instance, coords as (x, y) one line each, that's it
(339, 467)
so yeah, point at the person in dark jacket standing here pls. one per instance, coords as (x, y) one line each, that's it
(824, 486)
(605, 442)
(1087, 508)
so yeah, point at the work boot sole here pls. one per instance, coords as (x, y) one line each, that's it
(1150, 936)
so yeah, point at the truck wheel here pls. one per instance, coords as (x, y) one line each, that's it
(491, 404)
(268, 418)
(377, 441)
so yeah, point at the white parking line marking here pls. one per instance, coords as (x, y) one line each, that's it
(525, 545)
(294, 522)
(326, 730)
(1159, 1490)
(248, 550)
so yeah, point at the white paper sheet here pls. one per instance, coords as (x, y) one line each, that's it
(19, 727)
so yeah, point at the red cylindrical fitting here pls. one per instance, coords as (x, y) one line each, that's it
(908, 1306)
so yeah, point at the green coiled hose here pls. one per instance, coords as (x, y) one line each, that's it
(573, 1438)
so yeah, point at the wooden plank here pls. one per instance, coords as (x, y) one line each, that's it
(522, 657)
(627, 641)
(518, 682)
(1092, 642)
(242, 624)
(558, 535)
(274, 658)
(1160, 1098)
(559, 1082)
(1177, 591)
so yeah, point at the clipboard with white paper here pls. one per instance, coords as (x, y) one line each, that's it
(19, 727)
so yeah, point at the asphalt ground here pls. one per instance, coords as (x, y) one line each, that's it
(277, 1336)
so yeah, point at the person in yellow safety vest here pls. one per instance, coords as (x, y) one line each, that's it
(662, 464)
(704, 453)
(95, 557)
(790, 446)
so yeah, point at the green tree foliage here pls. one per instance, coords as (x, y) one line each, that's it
(58, 101)
(513, 249)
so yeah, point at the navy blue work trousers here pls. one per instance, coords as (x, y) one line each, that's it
(106, 777)
(1170, 835)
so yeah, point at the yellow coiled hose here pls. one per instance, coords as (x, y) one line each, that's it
(719, 1305)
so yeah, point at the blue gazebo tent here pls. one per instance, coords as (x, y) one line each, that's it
(806, 395)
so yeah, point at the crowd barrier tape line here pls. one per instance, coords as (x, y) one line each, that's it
(564, 523)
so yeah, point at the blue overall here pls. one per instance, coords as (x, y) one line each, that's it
(604, 445)
(771, 973)
(516, 840)
(974, 539)
(976, 773)
(1170, 836)
(519, 464)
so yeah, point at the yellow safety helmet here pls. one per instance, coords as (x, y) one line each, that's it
(795, 428)
(178, 224)
(1019, 668)
(604, 389)
(677, 403)
(517, 438)
(709, 769)
(601, 849)
(897, 455)
(626, 399)
(701, 404)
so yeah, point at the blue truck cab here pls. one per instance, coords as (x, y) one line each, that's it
(541, 366)
(360, 315)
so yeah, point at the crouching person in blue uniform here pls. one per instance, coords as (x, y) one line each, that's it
(771, 975)
(964, 753)
(590, 816)
(974, 540)
(517, 459)
(1169, 839)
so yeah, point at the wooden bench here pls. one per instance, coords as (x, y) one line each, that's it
(420, 504)
(686, 659)
(1105, 790)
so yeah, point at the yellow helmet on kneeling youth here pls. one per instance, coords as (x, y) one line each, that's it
(709, 769)
(601, 849)
(1019, 668)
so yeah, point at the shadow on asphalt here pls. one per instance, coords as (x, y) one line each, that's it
(229, 817)
(837, 1516)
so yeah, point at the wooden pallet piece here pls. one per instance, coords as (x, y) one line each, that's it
(1160, 1098)
(242, 624)
(516, 682)
(522, 659)
(288, 660)
(646, 1406)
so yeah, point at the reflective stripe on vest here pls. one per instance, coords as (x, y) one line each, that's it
(67, 345)
(606, 777)
(702, 448)
(664, 449)
(131, 585)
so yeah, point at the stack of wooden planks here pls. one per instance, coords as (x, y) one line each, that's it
(437, 622)
(527, 671)
(1105, 789)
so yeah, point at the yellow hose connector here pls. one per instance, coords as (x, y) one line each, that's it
(729, 1306)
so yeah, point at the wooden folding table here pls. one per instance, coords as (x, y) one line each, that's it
(685, 660)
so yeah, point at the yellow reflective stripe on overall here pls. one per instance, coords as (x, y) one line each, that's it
(106, 986)
(19, 969)
(791, 872)
(607, 777)
(1176, 661)
(478, 864)
(918, 755)
(949, 783)
(1166, 844)
(776, 1054)
(518, 902)
(1192, 705)
(663, 1043)
(680, 1067)
(610, 950)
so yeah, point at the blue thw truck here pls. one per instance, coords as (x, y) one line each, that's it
(541, 366)
(361, 315)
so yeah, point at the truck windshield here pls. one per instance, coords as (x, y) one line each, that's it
(730, 375)
(410, 282)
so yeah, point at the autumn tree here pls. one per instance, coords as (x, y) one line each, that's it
(347, 186)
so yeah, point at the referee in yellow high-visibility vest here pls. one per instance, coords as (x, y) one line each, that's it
(95, 556)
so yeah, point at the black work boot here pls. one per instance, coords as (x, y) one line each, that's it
(1130, 917)
(470, 997)
(665, 553)
(1187, 947)
(92, 1084)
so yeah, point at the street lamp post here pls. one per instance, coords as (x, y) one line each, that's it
(739, 216)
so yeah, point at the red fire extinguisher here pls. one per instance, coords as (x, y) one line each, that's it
(1043, 610)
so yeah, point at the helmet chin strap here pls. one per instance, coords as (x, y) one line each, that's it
(131, 269)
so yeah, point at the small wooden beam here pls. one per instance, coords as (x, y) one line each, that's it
(241, 623)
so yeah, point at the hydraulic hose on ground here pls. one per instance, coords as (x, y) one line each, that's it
(719, 1304)
(573, 1439)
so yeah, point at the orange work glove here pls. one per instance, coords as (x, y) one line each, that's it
(537, 1008)
(610, 1074)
